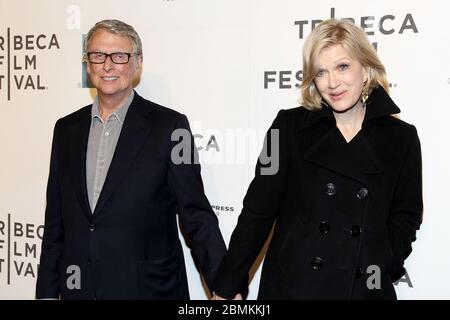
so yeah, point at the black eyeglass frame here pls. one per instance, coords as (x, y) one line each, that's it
(110, 55)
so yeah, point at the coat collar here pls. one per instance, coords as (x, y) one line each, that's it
(329, 149)
(135, 130)
(379, 104)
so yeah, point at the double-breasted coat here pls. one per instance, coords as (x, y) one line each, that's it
(345, 214)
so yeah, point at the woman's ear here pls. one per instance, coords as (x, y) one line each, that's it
(366, 72)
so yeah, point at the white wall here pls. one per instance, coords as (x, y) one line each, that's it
(208, 59)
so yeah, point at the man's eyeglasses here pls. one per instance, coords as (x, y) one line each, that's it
(116, 57)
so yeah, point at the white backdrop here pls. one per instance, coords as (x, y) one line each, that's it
(229, 65)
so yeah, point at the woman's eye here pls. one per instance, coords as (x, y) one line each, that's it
(320, 73)
(343, 67)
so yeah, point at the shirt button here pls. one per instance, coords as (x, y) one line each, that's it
(106, 133)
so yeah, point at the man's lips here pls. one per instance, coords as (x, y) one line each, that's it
(109, 78)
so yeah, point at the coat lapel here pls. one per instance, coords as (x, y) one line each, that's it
(135, 131)
(355, 159)
(329, 149)
(79, 143)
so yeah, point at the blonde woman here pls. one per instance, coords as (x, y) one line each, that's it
(347, 198)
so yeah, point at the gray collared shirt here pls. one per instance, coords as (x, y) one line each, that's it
(102, 142)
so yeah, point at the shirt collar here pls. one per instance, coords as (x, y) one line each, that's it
(120, 113)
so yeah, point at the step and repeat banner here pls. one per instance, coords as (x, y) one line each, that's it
(229, 65)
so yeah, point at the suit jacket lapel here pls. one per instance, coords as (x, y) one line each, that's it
(135, 131)
(79, 141)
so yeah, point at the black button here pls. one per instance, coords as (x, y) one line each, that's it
(89, 262)
(317, 263)
(324, 227)
(362, 193)
(355, 231)
(359, 272)
(91, 227)
(330, 189)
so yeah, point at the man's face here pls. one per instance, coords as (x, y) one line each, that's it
(110, 79)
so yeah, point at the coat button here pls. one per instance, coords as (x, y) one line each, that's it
(89, 262)
(330, 189)
(362, 193)
(317, 263)
(324, 227)
(91, 227)
(355, 231)
(359, 272)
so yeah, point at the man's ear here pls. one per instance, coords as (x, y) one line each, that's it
(139, 61)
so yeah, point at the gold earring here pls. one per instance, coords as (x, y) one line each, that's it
(365, 96)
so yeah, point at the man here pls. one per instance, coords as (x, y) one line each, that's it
(115, 186)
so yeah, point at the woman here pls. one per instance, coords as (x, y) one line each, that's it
(347, 198)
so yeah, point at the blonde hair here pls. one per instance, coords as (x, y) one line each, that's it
(333, 32)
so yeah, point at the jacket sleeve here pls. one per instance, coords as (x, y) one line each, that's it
(198, 220)
(260, 209)
(47, 285)
(406, 209)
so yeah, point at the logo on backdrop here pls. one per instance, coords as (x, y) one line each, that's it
(219, 209)
(20, 244)
(19, 61)
(387, 25)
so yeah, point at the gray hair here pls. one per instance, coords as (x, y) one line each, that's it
(117, 27)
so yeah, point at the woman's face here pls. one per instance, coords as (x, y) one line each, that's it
(340, 78)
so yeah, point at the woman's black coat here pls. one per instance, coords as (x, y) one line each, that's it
(346, 213)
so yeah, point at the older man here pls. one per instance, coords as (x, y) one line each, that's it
(114, 189)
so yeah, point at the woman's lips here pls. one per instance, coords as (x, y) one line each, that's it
(337, 95)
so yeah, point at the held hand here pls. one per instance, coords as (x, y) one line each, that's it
(236, 297)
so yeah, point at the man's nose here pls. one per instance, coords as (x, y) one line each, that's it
(108, 64)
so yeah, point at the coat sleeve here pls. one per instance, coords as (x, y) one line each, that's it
(47, 285)
(406, 209)
(198, 220)
(260, 209)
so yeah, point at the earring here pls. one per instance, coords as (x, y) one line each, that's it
(365, 96)
(365, 92)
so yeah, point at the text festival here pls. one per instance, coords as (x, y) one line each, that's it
(17, 53)
(387, 25)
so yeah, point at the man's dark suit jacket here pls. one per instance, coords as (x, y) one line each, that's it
(128, 248)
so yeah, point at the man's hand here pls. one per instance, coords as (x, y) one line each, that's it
(236, 297)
